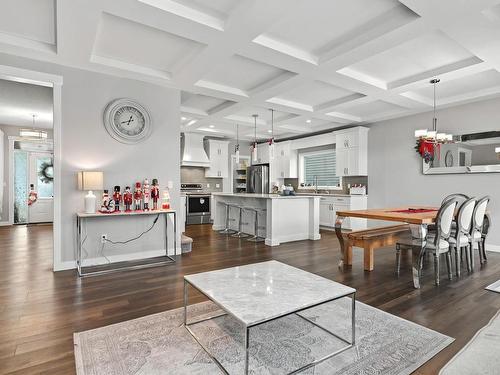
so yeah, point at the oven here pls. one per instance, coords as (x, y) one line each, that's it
(198, 208)
(197, 204)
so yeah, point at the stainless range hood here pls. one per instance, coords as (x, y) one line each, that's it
(194, 154)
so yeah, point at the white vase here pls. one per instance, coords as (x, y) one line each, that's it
(90, 203)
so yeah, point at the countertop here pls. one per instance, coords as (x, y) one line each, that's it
(332, 195)
(266, 196)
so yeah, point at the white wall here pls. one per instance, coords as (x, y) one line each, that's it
(395, 169)
(86, 145)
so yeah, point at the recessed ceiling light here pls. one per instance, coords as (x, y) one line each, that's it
(183, 118)
(269, 131)
(212, 126)
(308, 121)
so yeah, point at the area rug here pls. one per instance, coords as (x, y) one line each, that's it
(495, 287)
(480, 355)
(159, 344)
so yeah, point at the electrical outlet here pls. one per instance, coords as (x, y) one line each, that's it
(104, 237)
(208, 185)
(217, 186)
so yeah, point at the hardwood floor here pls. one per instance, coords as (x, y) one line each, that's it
(40, 310)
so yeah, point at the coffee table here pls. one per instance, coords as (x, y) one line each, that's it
(259, 293)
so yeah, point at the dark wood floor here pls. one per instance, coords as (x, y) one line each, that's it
(40, 310)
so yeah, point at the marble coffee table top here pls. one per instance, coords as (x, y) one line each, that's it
(259, 292)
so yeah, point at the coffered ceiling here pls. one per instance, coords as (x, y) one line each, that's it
(319, 64)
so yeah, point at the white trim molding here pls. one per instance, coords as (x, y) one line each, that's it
(11, 73)
(493, 248)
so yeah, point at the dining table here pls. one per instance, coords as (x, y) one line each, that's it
(418, 217)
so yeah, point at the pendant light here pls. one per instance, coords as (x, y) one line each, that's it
(237, 147)
(271, 141)
(433, 132)
(254, 150)
(33, 132)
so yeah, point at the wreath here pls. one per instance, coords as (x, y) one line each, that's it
(46, 172)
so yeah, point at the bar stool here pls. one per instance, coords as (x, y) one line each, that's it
(239, 234)
(256, 237)
(226, 229)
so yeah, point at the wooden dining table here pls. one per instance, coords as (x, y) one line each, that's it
(418, 217)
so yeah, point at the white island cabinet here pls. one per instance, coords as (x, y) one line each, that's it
(281, 218)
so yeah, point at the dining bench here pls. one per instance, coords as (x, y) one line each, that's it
(371, 239)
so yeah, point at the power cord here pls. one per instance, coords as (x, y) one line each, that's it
(135, 238)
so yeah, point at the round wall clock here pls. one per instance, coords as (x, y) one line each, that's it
(127, 121)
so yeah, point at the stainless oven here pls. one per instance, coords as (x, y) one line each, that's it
(197, 204)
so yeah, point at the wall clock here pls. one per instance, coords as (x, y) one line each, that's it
(127, 121)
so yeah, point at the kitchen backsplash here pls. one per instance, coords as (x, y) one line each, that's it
(197, 175)
(352, 180)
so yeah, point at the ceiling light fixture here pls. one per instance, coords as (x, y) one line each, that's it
(183, 118)
(33, 133)
(428, 140)
(211, 126)
(308, 121)
(254, 147)
(237, 147)
(271, 140)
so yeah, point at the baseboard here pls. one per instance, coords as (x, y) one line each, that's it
(493, 248)
(5, 223)
(71, 264)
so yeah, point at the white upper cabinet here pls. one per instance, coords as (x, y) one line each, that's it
(352, 151)
(284, 164)
(219, 159)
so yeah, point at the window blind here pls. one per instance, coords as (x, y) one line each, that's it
(321, 166)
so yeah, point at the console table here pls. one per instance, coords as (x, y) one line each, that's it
(129, 264)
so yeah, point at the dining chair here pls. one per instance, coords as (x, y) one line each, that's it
(436, 243)
(460, 235)
(460, 198)
(476, 234)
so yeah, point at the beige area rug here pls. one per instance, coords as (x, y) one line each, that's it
(159, 344)
(481, 355)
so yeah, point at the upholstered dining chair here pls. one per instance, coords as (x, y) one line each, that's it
(476, 234)
(460, 237)
(437, 242)
(460, 198)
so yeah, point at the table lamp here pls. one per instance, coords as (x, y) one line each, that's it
(90, 180)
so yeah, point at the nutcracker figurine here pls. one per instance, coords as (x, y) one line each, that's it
(137, 196)
(32, 196)
(117, 197)
(107, 205)
(127, 199)
(155, 193)
(146, 194)
(165, 201)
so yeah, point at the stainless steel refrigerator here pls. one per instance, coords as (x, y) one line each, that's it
(258, 179)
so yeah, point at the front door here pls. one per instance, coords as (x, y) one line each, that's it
(41, 175)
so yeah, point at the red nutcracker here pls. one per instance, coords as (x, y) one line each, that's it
(146, 194)
(32, 196)
(117, 197)
(137, 196)
(155, 193)
(127, 199)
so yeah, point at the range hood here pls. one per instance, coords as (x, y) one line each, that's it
(194, 154)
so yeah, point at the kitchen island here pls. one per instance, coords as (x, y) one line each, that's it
(281, 218)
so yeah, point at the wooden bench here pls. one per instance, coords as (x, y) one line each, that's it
(371, 239)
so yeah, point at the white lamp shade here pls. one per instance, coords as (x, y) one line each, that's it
(449, 137)
(90, 180)
(420, 133)
(440, 136)
(497, 150)
(431, 134)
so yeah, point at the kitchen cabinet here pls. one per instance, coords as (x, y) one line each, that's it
(329, 205)
(352, 152)
(262, 154)
(284, 164)
(219, 158)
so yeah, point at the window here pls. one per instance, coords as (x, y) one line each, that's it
(319, 166)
